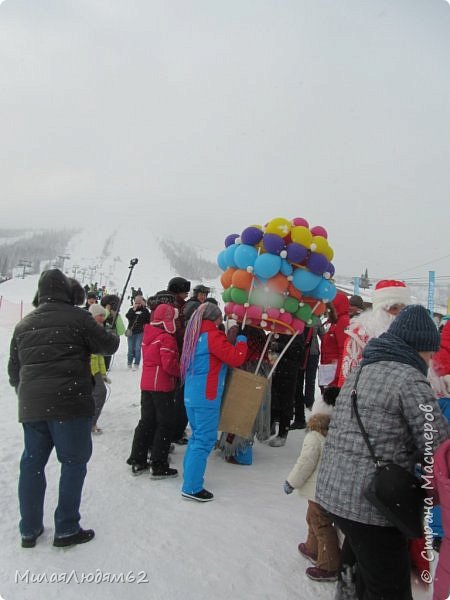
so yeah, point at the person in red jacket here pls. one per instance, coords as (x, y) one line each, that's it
(441, 360)
(332, 347)
(160, 373)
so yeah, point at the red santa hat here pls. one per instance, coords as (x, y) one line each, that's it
(388, 292)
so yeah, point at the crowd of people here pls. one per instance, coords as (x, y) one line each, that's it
(381, 371)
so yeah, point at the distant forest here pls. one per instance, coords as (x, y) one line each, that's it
(32, 249)
(187, 262)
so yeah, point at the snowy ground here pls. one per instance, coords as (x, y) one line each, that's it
(241, 546)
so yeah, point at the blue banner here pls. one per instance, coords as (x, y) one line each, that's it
(431, 290)
(356, 285)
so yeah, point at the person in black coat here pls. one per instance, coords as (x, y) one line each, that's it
(138, 317)
(284, 384)
(49, 366)
(199, 295)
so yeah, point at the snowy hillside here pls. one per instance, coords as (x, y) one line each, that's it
(157, 546)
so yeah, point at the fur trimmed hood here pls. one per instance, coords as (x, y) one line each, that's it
(319, 422)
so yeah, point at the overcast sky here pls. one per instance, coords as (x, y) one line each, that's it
(201, 117)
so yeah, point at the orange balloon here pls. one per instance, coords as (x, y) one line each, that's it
(294, 292)
(226, 277)
(278, 283)
(242, 279)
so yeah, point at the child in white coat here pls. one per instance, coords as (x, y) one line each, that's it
(321, 546)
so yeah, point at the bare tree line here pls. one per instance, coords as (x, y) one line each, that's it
(40, 246)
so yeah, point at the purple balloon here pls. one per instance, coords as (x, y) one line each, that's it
(251, 236)
(230, 239)
(273, 243)
(331, 270)
(317, 263)
(296, 253)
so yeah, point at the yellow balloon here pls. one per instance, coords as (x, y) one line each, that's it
(319, 244)
(329, 253)
(301, 235)
(279, 226)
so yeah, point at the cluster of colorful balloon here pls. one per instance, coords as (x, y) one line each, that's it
(277, 276)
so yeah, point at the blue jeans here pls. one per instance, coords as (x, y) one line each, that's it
(204, 422)
(73, 445)
(134, 348)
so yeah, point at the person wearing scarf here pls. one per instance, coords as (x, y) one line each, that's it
(395, 401)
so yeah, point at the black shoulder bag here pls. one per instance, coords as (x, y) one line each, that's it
(394, 491)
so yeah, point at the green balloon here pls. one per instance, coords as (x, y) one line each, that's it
(304, 313)
(291, 305)
(239, 296)
(226, 295)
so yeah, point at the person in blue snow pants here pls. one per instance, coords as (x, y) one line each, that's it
(206, 354)
(204, 422)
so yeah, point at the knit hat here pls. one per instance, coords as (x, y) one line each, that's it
(211, 311)
(91, 295)
(388, 292)
(415, 327)
(165, 315)
(96, 310)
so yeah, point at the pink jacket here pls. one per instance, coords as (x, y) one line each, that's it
(441, 589)
(160, 369)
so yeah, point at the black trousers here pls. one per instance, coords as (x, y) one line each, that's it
(155, 428)
(306, 384)
(284, 385)
(180, 417)
(382, 560)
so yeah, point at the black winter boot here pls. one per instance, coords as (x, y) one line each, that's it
(81, 537)
(163, 471)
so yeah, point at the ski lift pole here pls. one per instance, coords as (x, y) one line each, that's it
(133, 263)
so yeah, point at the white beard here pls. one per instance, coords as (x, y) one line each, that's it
(373, 322)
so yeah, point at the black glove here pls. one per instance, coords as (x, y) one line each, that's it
(330, 394)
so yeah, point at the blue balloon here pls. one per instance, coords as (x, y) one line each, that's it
(286, 267)
(222, 260)
(229, 255)
(304, 280)
(245, 256)
(326, 291)
(267, 265)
